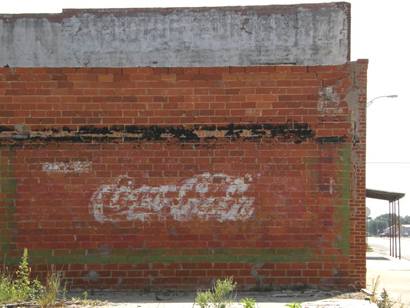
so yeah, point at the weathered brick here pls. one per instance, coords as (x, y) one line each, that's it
(131, 136)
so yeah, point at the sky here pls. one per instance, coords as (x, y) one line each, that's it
(379, 33)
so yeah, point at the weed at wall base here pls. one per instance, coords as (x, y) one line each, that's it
(20, 287)
(221, 296)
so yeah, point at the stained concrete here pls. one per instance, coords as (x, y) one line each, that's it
(313, 34)
(394, 276)
(269, 299)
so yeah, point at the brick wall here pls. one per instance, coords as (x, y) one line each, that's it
(169, 178)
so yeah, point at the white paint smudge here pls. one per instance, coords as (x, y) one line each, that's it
(67, 167)
(329, 100)
(332, 184)
(206, 197)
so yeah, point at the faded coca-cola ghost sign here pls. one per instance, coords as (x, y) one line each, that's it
(205, 196)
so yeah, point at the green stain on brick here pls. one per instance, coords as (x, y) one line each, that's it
(7, 199)
(7, 180)
(7, 186)
(342, 211)
(341, 214)
(141, 256)
(8, 225)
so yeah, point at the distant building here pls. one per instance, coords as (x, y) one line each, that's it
(404, 231)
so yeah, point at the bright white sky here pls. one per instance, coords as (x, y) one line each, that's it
(379, 33)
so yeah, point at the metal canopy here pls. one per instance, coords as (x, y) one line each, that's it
(383, 195)
(394, 229)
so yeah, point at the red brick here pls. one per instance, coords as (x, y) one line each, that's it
(293, 206)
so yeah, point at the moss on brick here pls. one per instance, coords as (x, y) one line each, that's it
(141, 256)
(7, 200)
(342, 211)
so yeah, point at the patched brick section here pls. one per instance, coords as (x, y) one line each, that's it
(172, 177)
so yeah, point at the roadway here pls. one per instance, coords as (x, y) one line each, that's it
(381, 245)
